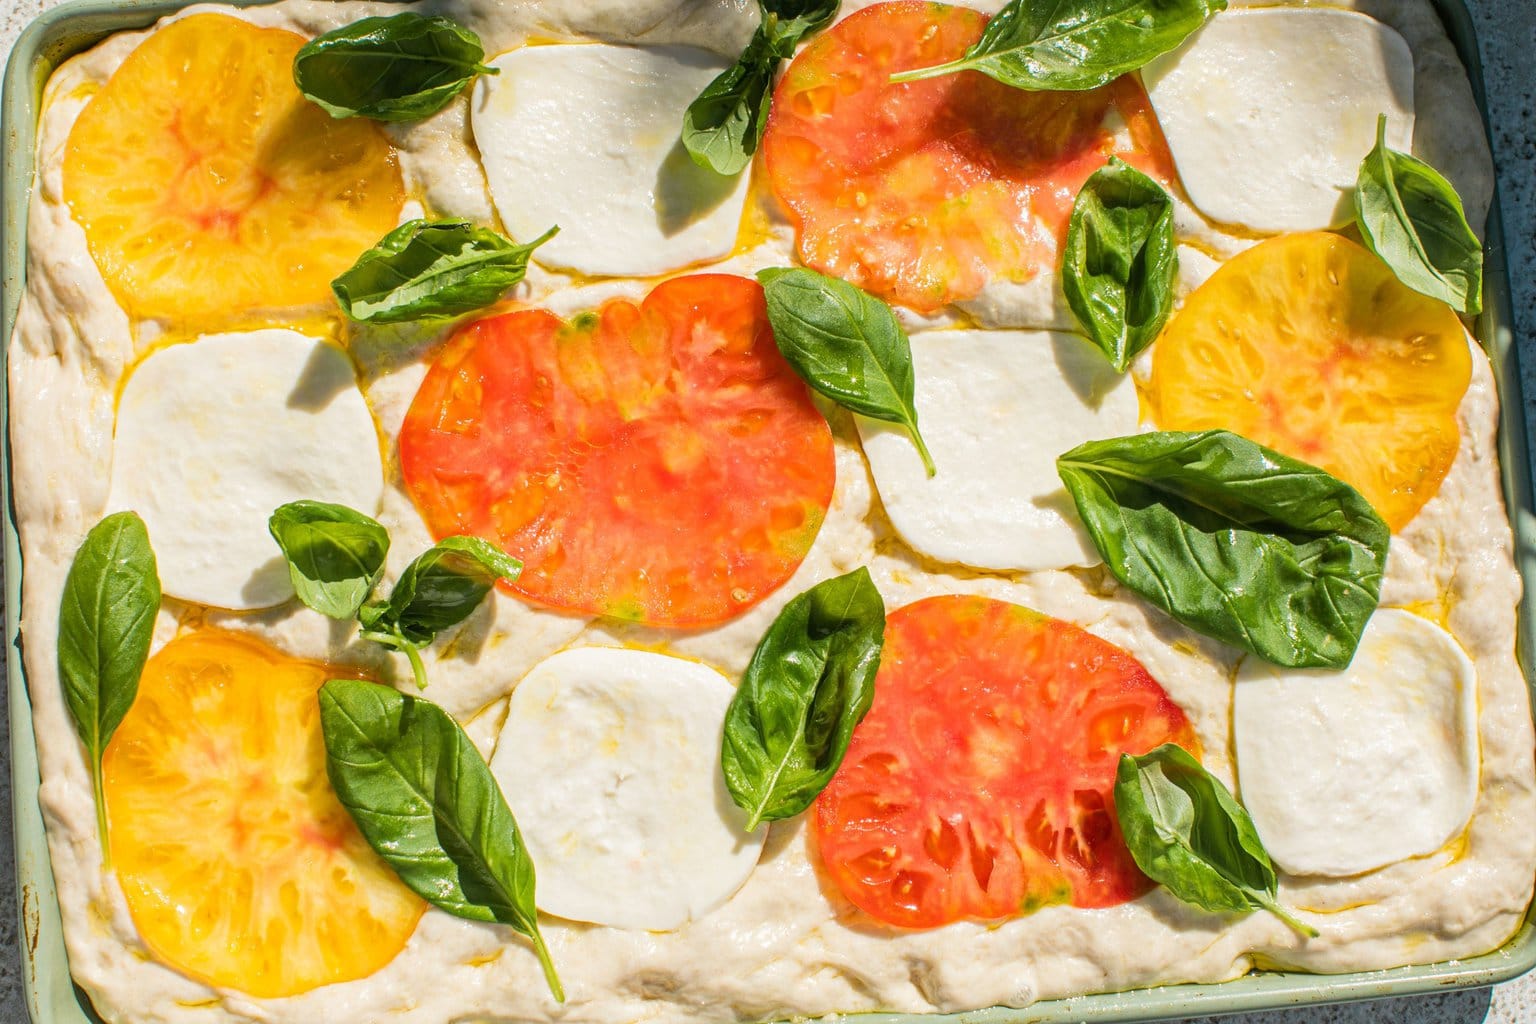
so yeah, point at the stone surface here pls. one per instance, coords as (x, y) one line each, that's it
(1507, 34)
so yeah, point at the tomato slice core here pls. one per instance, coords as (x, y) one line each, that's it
(924, 192)
(980, 784)
(657, 462)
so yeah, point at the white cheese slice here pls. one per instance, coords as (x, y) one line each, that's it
(996, 408)
(1345, 772)
(1247, 158)
(586, 136)
(610, 761)
(214, 434)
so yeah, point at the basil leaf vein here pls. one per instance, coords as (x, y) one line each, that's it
(1411, 217)
(426, 270)
(1235, 540)
(724, 125)
(810, 682)
(106, 623)
(1186, 832)
(1120, 261)
(1074, 44)
(846, 344)
(398, 68)
(335, 555)
(428, 804)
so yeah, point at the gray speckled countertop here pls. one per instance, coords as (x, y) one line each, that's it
(1507, 30)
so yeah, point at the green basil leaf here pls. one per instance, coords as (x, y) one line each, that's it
(427, 270)
(723, 127)
(445, 584)
(429, 805)
(787, 22)
(810, 681)
(1412, 218)
(846, 344)
(106, 623)
(335, 554)
(1074, 44)
(400, 68)
(1234, 540)
(1120, 261)
(1186, 832)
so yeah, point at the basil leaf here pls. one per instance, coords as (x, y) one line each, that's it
(106, 623)
(1120, 261)
(787, 22)
(429, 805)
(810, 681)
(846, 344)
(438, 590)
(1412, 218)
(335, 555)
(723, 127)
(399, 68)
(1185, 831)
(1074, 44)
(1234, 540)
(425, 270)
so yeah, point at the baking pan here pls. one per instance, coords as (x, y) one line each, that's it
(52, 997)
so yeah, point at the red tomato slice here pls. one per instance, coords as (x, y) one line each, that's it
(980, 784)
(658, 462)
(923, 192)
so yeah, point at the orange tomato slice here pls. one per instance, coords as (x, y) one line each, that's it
(658, 462)
(208, 186)
(924, 192)
(1308, 344)
(980, 784)
(240, 866)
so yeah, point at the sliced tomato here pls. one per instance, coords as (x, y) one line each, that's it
(658, 462)
(980, 784)
(1309, 344)
(924, 192)
(238, 864)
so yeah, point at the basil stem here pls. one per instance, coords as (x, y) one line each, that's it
(1236, 541)
(106, 623)
(723, 127)
(1186, 832)
(426, 270)
(810, 681)
(1074, 44)
(424, 799)
(435, 592)
(400, 68)
(846, 344)
(1411, 217)
(1120, 261)
(335, 555)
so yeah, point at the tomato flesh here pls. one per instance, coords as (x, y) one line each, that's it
(980, 784)
(657, 462)
(924, 192)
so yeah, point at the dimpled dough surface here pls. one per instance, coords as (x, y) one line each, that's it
(780, 946)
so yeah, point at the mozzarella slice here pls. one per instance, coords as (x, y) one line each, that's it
(997, 408)
(1269, 112)
(610, 761)
(1345, 772)
(586, 136)
(215, 434)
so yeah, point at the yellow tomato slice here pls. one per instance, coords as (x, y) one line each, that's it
(240, 866)
(1308, 344)
(208, 186)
